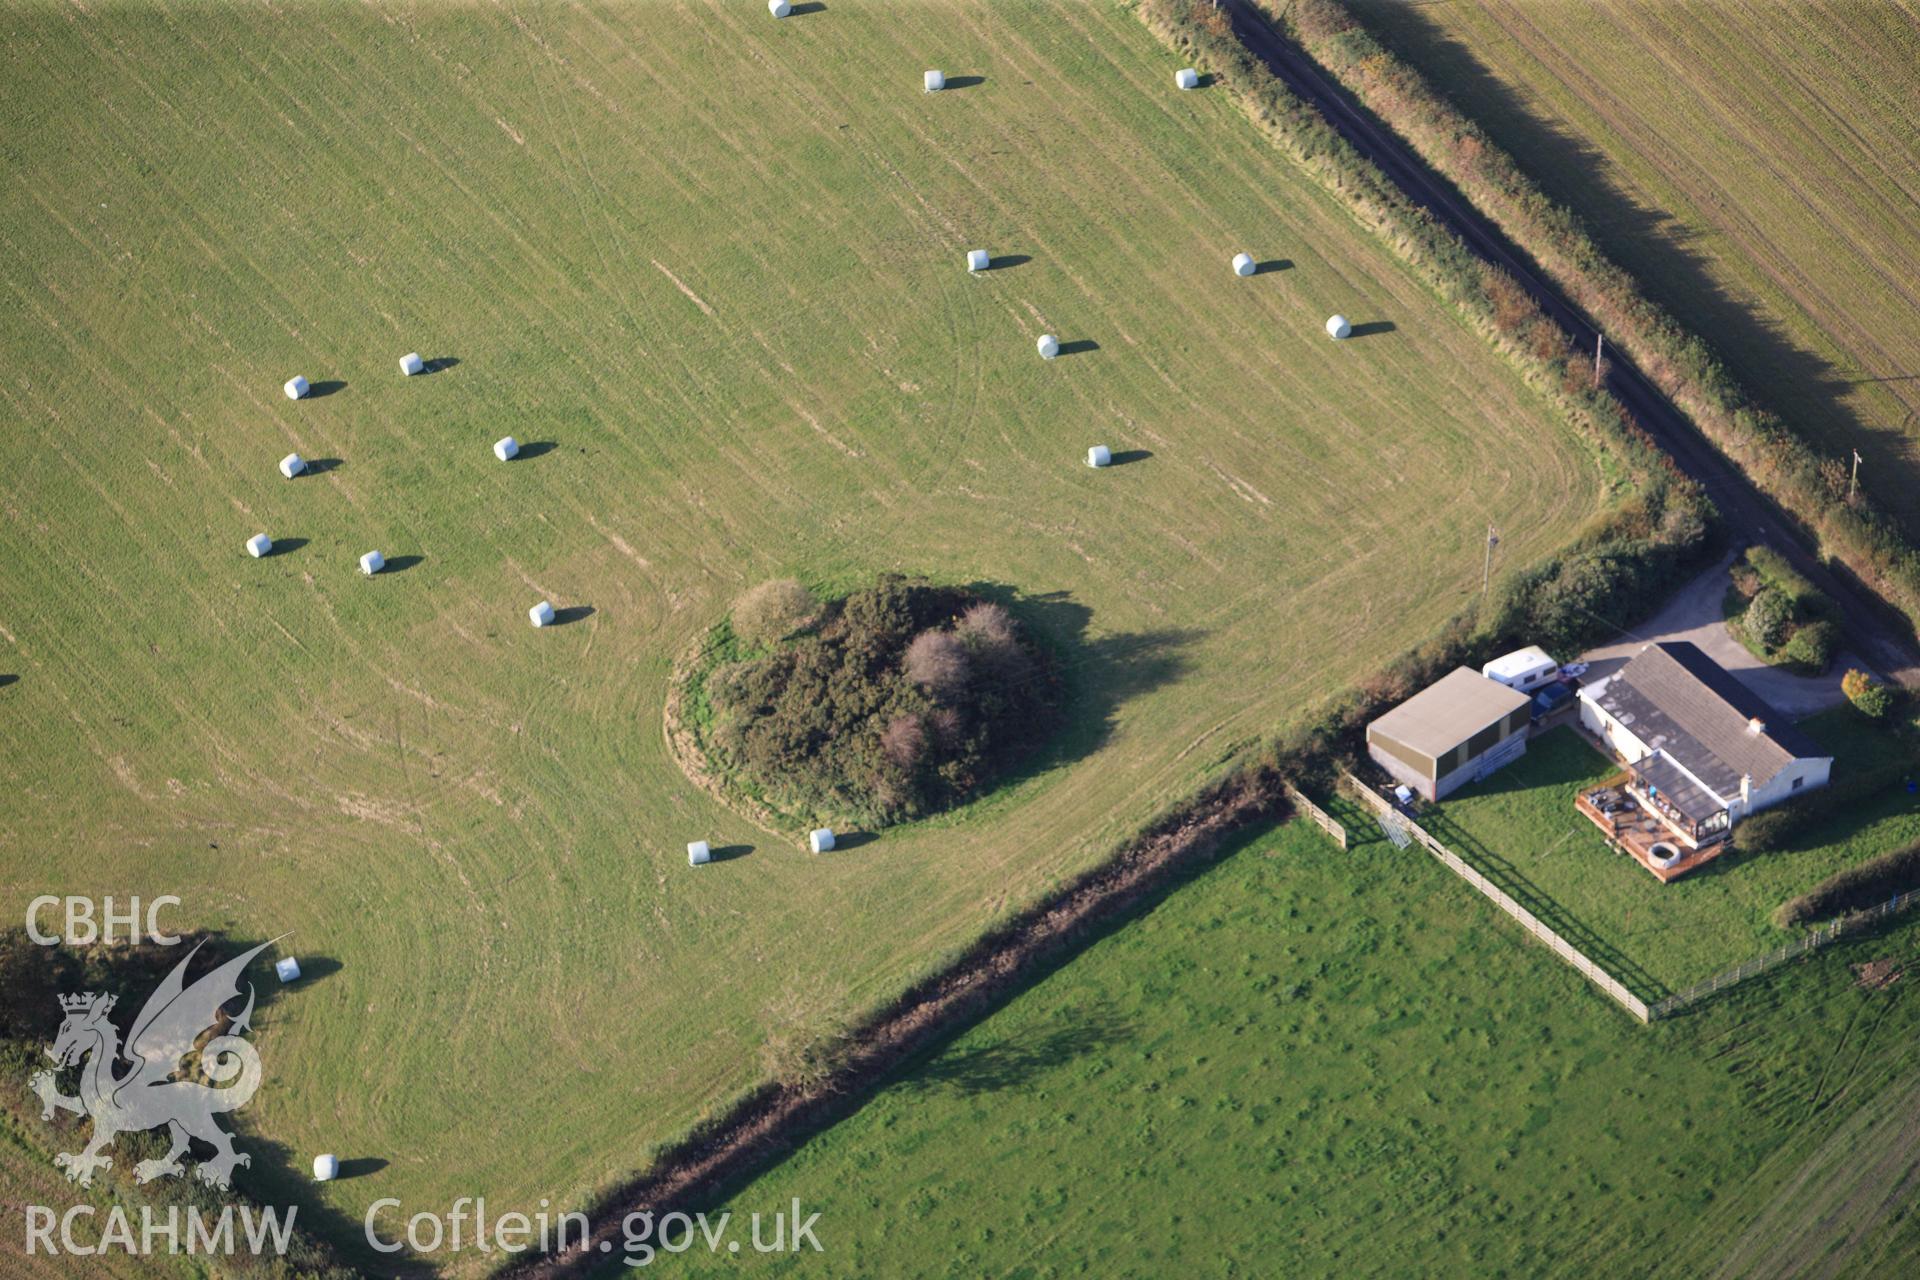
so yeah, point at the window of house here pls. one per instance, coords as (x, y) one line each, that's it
(1796, 784)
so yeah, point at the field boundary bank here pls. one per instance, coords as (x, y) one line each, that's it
(776, 1118)
(1574, 957)
(1874, 549)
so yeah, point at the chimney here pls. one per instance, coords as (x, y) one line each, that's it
(1756, 726)
(1746, 786)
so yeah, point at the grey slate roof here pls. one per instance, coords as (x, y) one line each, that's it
(1676, 699)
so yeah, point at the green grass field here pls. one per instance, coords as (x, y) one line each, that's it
(1519, 827)
(1752, 162)
(1325, 1064)
(710, 265)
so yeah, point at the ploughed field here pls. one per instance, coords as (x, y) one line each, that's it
(708, 269)
(1752, 162)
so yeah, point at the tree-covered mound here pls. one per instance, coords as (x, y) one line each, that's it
(893, 702)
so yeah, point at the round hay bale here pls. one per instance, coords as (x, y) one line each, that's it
(1186, 78)
(1049, 346)
(934, 81)
(1099, 456)
(1338, 327)
(326, 1168)
(779, 8)
(372, 563)
(1243, 264)
(977, 260)
(258, 545)
(541, 615)
(296, 387)
(411, 363)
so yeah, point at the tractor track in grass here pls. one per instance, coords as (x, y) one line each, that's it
(1750, 515)
(776, 1118)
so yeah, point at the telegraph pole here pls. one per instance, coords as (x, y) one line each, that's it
(1486, 573)
(1599, 344)
(1854, 478)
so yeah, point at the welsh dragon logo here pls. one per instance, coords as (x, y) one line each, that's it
(145, 1095)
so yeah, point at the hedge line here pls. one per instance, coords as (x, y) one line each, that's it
(1617, 568)
(1487, 298)
(1809, 484)
(1860, 886)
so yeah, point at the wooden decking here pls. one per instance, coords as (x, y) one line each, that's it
(1637, 830)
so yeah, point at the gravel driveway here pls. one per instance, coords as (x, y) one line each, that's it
(1694, 614)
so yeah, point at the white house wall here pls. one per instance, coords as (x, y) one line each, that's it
(1815, 772)
(1613, 733)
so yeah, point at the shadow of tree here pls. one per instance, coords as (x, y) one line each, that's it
(1007, 1063)
(1098, 675)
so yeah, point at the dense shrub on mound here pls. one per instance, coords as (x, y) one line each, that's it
(897, 701)
(1780, 616)
(1865, 885)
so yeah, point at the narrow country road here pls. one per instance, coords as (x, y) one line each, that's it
(1750, 515)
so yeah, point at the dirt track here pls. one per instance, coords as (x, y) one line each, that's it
(1750, 515)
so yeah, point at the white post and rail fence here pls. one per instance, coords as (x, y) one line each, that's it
(1318, 816)
(1612, 986)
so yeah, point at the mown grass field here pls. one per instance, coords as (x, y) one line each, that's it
(1752, 162)
(709, 265)
(1349, 1062)
(1520, 828)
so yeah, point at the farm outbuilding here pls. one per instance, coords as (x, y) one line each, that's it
(1457, 730)
(820, 840)
(934, 81)
(1049, 346)
(326, 1168)
(541, 615)
(372, 563)
(506, 448)
(1186, 78)
(1099, 456)
(1338, 327)
(258, 545)
(296, 387)
(977, 259)
(699, 852)
(287, 969)
(1243, 264)
(411, 363)
(292, 465)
